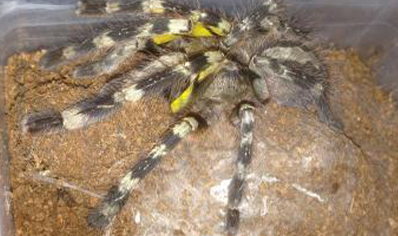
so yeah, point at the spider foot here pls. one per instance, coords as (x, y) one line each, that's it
(42, 122)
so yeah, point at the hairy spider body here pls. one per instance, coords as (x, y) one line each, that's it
(202, 62)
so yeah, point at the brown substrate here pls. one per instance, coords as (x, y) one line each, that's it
(57, 178)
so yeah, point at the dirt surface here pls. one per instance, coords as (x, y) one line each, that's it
(305, 178)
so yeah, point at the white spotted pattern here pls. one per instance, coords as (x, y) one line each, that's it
(103, 41)
(133, 94)
(127, 183)
(72, 119)
(158, 151)
(150, 6)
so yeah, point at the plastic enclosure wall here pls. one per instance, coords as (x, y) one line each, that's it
(367, 25)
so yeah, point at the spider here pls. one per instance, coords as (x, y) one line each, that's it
(202, 61)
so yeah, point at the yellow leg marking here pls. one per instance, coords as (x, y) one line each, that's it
(179, 103)
(216, 30)
(157, 11)
(199, 30)
(209, 70)
(182, 100)
(164, 38)
(216, 60)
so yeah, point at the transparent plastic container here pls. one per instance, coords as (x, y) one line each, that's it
(366, 25)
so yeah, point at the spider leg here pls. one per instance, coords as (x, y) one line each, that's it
(101, 37)
(215, 23)
(95, 7)
(165, 21)
(323, 110)
(246, 115)
(122, 38)
(201, 68)
(137, 7)
(159, 32)
(118, 195)
(259, 85)
(150, 78)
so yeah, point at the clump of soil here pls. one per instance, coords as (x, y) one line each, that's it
(57, 178)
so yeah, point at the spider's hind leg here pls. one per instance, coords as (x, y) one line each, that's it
(118, 195)
(246, 115)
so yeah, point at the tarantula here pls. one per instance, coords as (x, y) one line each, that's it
(201, 61)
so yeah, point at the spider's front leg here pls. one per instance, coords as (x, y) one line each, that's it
(246, 115)
(148, 79)
(118, 195)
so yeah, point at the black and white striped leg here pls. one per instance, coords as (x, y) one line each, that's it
(111, 61)
(151, 77)
(99, 37)
(118, 195)
(246, 115)
(217, 24)
(77, 116)
(131, 41)
(137, 7)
